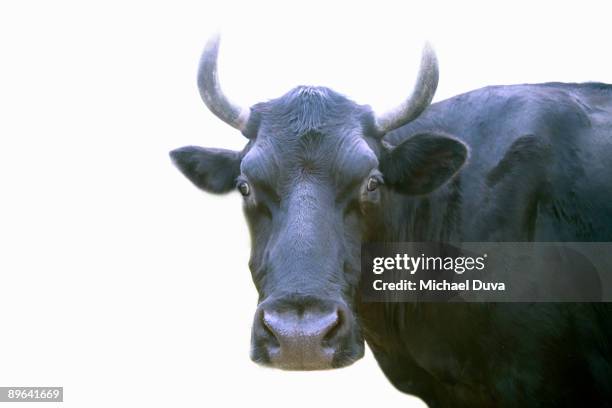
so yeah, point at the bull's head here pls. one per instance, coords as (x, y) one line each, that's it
(314, 176)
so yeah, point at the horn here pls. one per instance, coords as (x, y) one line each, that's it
(210, 90)
(423, 93)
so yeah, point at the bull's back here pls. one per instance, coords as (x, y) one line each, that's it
(539, 166)
(538, 171)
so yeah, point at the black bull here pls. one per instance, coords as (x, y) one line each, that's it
(321, 174)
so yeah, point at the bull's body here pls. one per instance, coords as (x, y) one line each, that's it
(540, 169)
(320, 175)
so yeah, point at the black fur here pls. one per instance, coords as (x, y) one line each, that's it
(538, 170)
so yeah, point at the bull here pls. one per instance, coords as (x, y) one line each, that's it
(321, 174)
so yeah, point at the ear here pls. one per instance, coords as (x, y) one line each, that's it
(422, 163)
(212, 170)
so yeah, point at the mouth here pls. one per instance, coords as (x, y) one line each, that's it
(306, 360)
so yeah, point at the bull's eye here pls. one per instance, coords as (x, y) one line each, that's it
(244, 188)
(373, 183)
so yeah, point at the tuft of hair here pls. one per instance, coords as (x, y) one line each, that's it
(307, 109)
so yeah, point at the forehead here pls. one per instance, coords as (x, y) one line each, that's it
(310, 129)
(345, 159)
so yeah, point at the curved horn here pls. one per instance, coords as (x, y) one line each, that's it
(210, 90)
(421, 96)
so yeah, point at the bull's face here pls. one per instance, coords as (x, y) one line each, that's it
(314, 178)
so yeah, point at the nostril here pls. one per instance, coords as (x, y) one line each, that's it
(290, 327)
(270, 331)
(334, 330)
(267, 325)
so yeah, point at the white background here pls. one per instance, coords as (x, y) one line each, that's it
(118, 279)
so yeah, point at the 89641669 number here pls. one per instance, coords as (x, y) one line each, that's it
(31, 394)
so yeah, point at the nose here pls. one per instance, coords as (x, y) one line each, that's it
(300, 334)
(301, 338)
